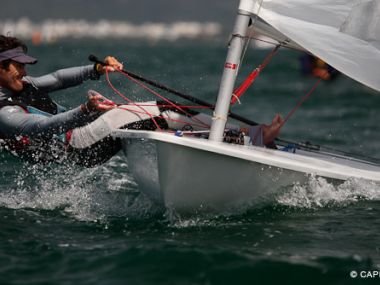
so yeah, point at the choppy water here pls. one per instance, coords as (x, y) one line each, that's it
(69, 225)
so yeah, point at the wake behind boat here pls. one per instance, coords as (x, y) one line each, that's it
(193, 174)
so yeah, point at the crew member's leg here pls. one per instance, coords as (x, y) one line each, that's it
(114, 119)
(92, 144)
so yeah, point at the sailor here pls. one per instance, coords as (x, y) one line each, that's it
(35, 128)
(32, 125)
(311, 65)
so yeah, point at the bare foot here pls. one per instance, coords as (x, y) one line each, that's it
(270, 132)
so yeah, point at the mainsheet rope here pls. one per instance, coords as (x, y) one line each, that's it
(129, 100)
(163, 98)
(144, 111)
(154, 93)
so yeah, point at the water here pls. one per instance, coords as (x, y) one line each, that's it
(69, 225)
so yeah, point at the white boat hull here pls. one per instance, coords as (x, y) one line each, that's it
(188, 174)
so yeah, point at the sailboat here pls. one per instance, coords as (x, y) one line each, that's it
(345, 34)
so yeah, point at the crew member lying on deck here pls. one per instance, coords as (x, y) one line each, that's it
(34, 127)
(87, 140)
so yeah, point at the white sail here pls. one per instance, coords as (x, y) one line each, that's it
(344, 33)
(261, 28)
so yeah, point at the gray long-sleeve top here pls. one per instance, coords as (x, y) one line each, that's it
(15, 121)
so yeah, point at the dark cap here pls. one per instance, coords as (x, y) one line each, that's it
(18, 55)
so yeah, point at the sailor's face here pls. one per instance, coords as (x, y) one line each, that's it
(11, 77)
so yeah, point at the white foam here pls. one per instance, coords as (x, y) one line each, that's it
(85, 194)
(319, 193)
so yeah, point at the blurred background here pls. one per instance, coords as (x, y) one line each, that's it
(51, 20)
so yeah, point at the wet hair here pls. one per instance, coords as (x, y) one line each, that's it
(7, 43)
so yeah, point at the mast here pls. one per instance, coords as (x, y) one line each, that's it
(231, 68)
